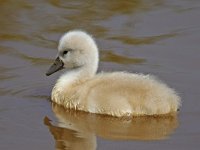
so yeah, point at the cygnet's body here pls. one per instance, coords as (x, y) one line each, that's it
(117, 94)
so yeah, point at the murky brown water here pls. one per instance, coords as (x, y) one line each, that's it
(159, 37)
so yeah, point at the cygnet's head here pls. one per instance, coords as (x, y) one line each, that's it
(76, 49)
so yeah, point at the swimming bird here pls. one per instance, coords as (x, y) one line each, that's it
(117, 93)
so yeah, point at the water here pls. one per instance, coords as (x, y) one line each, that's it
(159, 37)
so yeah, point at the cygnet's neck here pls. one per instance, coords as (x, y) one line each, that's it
(77, 76)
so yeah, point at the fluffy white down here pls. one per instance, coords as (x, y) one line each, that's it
(117, 94)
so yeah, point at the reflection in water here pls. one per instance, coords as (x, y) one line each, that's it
(113, 6)
(71, 139)
(78, 130)
(143, 40)
(92, 12)
(109, 56)
(33, 60)
(5, 75)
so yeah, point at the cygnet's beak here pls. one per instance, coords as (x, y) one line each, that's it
(57, 65)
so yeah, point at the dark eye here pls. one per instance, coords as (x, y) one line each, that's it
(65, 52)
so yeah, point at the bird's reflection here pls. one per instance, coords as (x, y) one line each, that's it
(78, 130)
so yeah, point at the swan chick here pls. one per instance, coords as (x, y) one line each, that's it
(116, 94)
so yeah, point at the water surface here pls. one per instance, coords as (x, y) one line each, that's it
(159, 37)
